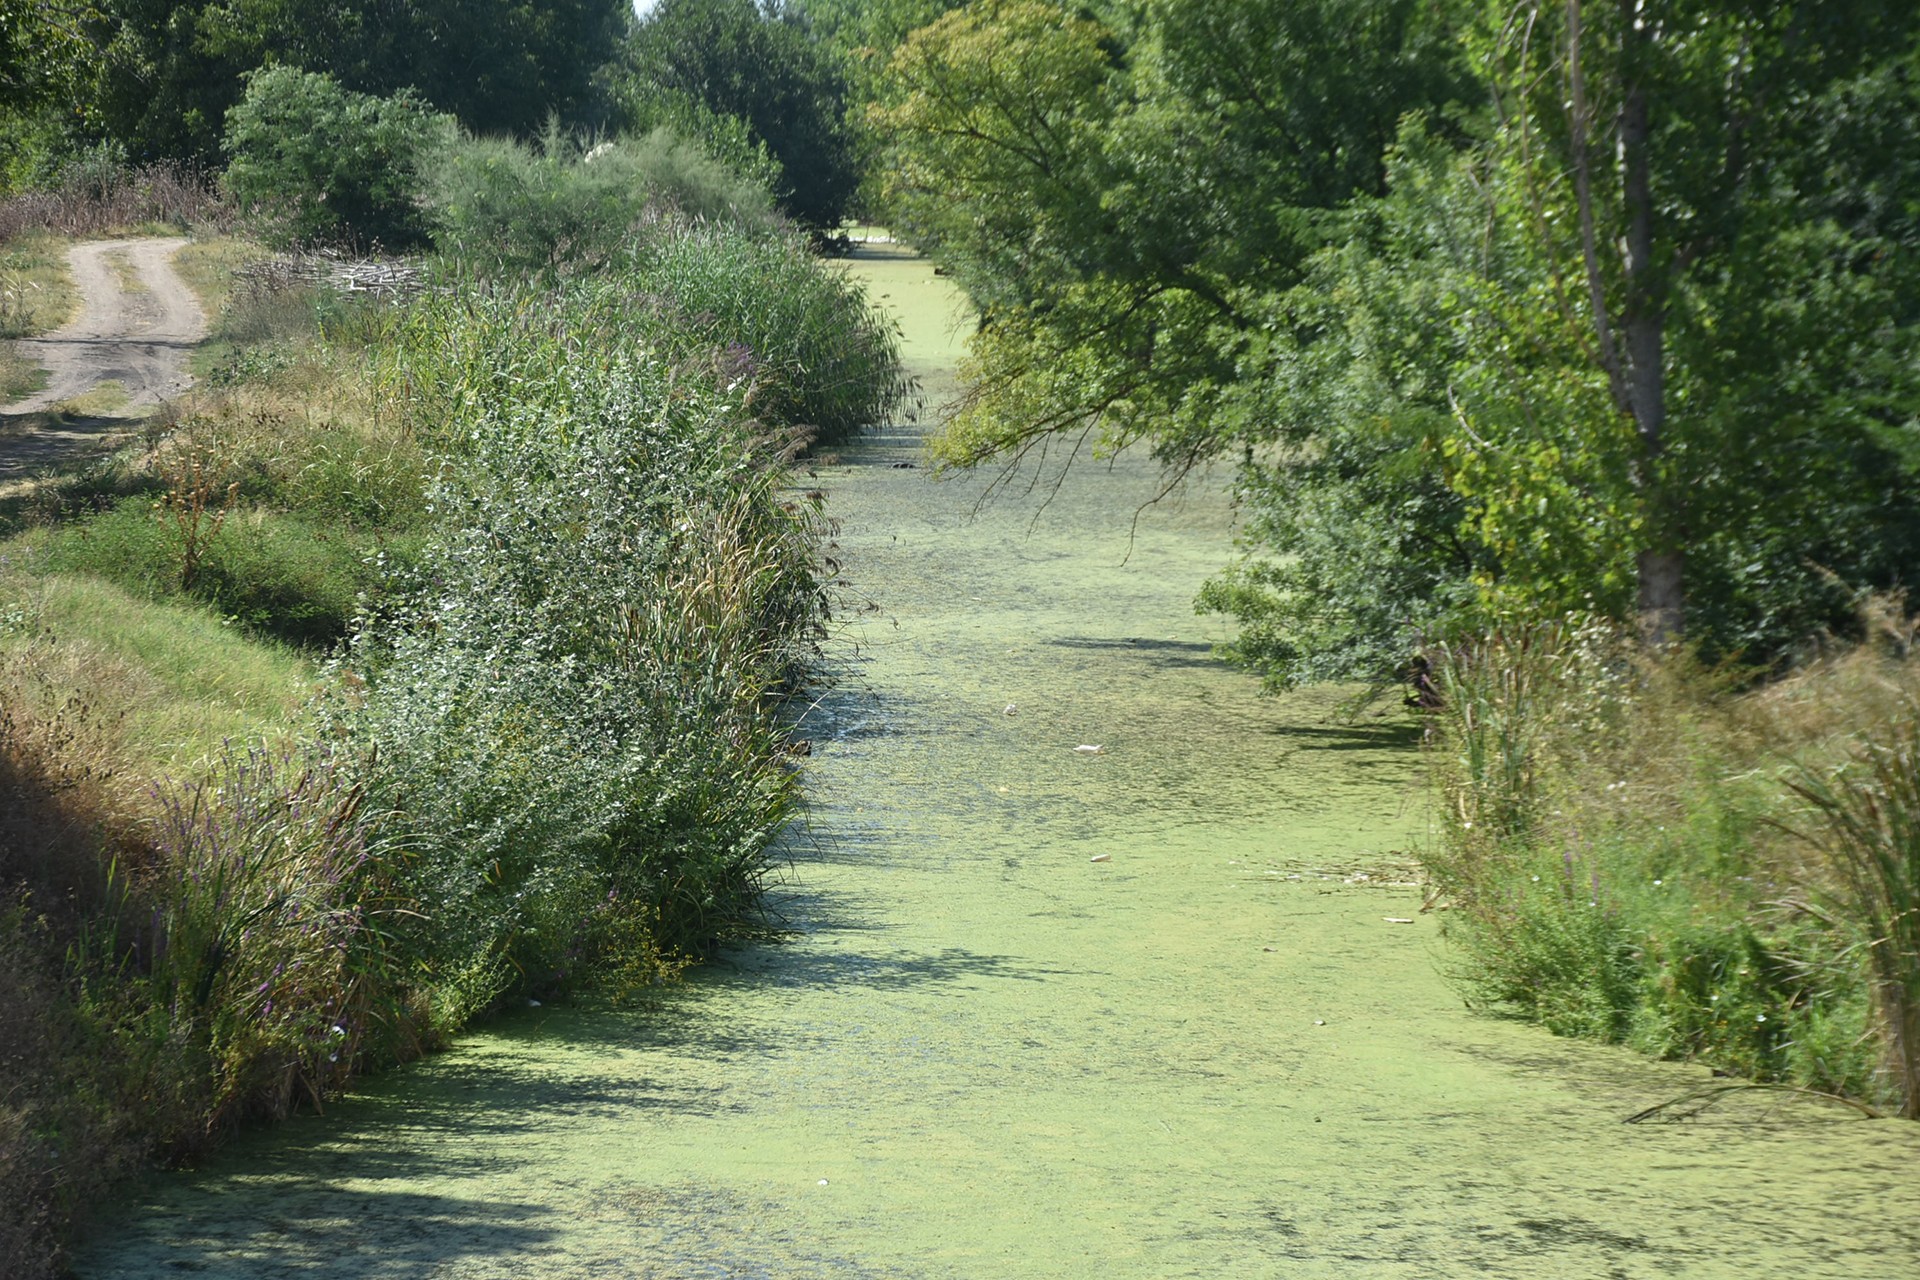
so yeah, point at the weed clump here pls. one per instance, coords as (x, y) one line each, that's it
(578, 696)
(1638, 850)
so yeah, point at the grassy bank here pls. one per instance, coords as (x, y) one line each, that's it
(1640, 851)
(36, 296)
(430, 658)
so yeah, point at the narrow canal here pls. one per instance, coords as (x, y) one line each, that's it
(1139, 1013)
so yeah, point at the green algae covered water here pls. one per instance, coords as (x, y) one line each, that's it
(1146, 1012)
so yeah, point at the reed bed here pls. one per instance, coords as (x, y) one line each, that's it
(96, 196)
(1639, 850)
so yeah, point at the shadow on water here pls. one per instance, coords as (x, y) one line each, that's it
(374, 1191)
(1162, 654)
(442, 1230)
(1390, 736)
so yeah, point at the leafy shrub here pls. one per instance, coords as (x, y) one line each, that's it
(577, 699)
(504, 207)
(326, 164)
(822, 358)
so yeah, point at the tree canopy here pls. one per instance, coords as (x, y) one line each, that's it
(162, 77)
(760, 65)
(1537, 307)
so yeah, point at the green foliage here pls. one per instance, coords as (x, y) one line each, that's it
(43, 51)
(1614, 847)
(168, 74)
(325, 164)
(762, 66)
(1120, 198)
(577, 698)
(505, 208)
(1450, 339)
(1293, 234)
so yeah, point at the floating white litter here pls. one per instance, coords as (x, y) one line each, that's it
(1101, 857)
(1087, 750)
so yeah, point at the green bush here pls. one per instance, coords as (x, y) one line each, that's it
(804, 333)
(505, 208)
(325, 164)
(757, 310)
(1615, 846)
(577, 700)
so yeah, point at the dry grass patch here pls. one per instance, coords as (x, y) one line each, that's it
(37, 293)
(208, 267)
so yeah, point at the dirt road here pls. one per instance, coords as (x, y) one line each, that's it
(137, 323)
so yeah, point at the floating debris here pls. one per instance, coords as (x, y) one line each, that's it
(1101, 857)
(1087, 750)
(1397, 919)
(1009, 709)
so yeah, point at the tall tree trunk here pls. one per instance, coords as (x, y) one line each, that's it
(1661, 562)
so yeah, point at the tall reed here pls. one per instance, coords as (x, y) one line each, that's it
(1609, 845)
(266, 949)
(96, 194)
(1867, 825)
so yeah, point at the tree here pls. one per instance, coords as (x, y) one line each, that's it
(171, 72)
(1502, 308)
(764, 67)
(1454, 340)
(1671, 141)
(46, 60)
(1118, 196)
(43, 46)
(329, 164)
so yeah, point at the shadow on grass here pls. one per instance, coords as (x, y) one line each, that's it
(58, 463)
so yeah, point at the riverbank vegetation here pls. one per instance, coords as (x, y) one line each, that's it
(427, 660)
(1566, 356)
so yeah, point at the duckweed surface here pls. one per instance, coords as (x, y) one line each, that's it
(1048, 1013)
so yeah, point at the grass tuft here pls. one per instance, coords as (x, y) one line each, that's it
(1625, 847)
